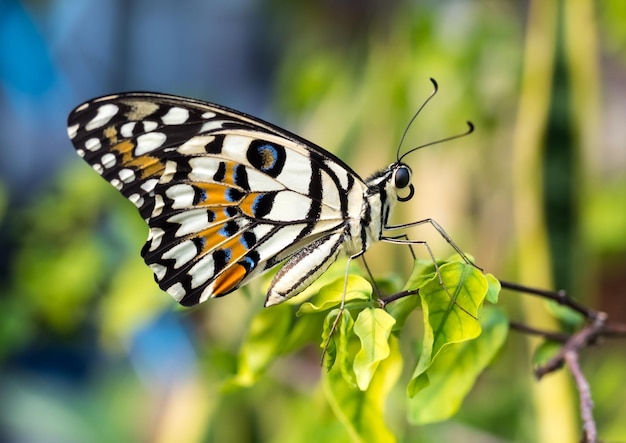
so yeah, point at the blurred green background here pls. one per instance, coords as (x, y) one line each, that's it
(92, 351)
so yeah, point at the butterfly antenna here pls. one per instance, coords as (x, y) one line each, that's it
(432, 94)
(436, 142)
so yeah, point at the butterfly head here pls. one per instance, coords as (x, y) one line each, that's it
(401, 179)
(391, 184)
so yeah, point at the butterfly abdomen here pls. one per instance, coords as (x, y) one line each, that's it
(304, 267)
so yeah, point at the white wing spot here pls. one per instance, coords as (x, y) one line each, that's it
(98, 168)
(149, 125)
(116, 184)
(93, 144)
(182, 196)
(207, 293)
(208, 114)
(182, 253)
(127, 129)
(149, 185)
(137, 200)
(202, 271)
(175, 116)
(190, 221)
(104, 115)
(159, 270)
(261, 231)
(168, 172)
(127, 175)
(196, 145)
(149, 142)
(72, 130)
(108, 160)
(158, 206)
(177, 291)
(155, 236)
(80, 152)
(211, 126)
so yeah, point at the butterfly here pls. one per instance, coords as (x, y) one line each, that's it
(228, 196)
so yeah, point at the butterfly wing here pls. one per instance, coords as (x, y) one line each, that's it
(226, 196)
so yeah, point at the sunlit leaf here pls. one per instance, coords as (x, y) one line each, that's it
(357, 288)
(329, 346)
(450, 314)
(423, 270)
(362, 412)
(493, 290)
(456, 369)
(339, 343)
(373, 327)
(345, 348)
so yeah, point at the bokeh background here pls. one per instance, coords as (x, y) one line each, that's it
(92, 351)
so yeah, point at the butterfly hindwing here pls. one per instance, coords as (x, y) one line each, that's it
(226, 196)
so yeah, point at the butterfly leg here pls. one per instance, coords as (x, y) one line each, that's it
(438, 228)
(379, 295)
(342, 305)
(407, 241)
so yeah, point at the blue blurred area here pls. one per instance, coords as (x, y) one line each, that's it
(55, 55)
(25, 66)
(161, 352)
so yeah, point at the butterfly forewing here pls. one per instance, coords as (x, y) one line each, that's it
(226, 196)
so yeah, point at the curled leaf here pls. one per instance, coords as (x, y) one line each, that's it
(372, 326)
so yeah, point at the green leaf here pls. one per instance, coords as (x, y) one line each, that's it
(345, 347)
(329, 296)
(450, 314)
(338, 345)
(362, 412)
(373, 327)
(493, 291)
(423, 271)
(329, 344)
(456, 369)
(263, 343)
(401, 309)
(570, 318)
(545, 351)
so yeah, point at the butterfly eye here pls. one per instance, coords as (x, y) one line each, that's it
(402, 177)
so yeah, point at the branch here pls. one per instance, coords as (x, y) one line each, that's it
(586, 404)
(575, 343)
(386, 300)
(597, 326)
(560, 297)
(548, 335)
